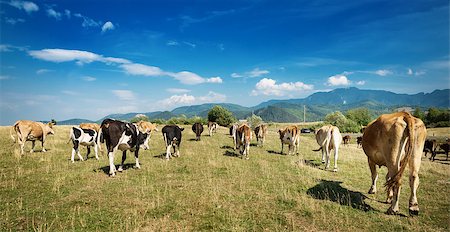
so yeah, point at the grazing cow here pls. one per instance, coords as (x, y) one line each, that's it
(346, 139)
(172, 138)
(261, 132)
(290, 135)
(212, 128)
(243, 139)
(430, 146)
(31, 131)
(233, 129)
(359, 141)
(93, 126)
(328, 137)
(197, 128)
(85, 137)
(148, 128)
(395, 140)
(121, 136)
(445, 147)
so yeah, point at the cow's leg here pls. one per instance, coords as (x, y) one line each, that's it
(88, 152)
(414, 166)
(395, 200)
(247, 150)
(96, 147)
(323, 155)
(336, 154)
(433, 154)
(390, 193)
(373, 171)
(79, 155)
(112, 168)
(33, 143)
(168, 152)
(136, 156)
(22, 145)
(327, 158)
(176, 150)
(74, 150)
(282, 147)
(124, 157)
(42, 143)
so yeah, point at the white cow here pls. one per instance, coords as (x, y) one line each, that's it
(328, 137)
(85, 137)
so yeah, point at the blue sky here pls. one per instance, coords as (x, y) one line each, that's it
(87, 59)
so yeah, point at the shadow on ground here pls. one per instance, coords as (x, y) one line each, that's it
(333, 191)
(105, 169)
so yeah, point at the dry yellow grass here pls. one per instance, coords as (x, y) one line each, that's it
(208, 188)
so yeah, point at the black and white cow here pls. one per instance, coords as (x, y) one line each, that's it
(197, 128)
(172, 137)
(85, 137)
(122, 136)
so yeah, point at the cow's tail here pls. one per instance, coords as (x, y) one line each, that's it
(395, 181)
(320, 148)
(70, 135)
(11, 134)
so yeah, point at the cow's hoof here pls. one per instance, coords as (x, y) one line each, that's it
(120, 169)
(391, 212)
(323, 161)
(112, 174)
(414, 212)
(335, 170)
(138, 167)
(371, 191)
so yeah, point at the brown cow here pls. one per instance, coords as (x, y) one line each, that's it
(261, 132)
(359, 141)
(31, 131)
(446, 147)
(290, 135)
(395, 140)
(92, 126)
(328, 137)
(346, 139)
(243, 139)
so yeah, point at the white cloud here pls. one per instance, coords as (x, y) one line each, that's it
(236, 75)
(338, 80)
(67, 13)
(410, 71)
(257, 72)
(360, 83)
(14, 21)
(187, 78)
(142, 70)
(2, 77)
(88, 22)
(415, 73)
(24, 5)
(214, 80)
(192, 45)
(42, 71)
(107, 26)
(221, 47)
(81, 57)
(185, 99)
(124, 95)
(176, 90)
(88, 78)
(54, 14)
(172, 43)
(267, 86)
(5, 48)
(383, 72)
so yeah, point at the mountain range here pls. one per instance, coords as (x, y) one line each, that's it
(316, 105)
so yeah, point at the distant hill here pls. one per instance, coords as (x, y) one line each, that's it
(317, 106)
(74, 121)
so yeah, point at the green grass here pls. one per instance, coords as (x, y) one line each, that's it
(208, 188)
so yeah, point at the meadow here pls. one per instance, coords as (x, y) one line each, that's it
(210, 188)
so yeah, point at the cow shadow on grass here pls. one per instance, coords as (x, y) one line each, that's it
(313, 163)
(274, 152)
(105, 169)
(333, 191)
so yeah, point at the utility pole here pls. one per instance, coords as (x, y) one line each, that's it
(304, 113)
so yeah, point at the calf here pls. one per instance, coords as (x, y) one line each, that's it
(430, 146)
(243, 139)
(359, 141)
(212, 127)
(197, 128)
(328, 137)
(290, 135)
(85, 137)
(172, 138)
(122, 136)
(31, 131)
(346, 139)
(93, 126)
(261, 132)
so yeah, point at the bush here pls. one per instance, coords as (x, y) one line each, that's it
(254, 121)
(344, 124)
(360, 116)
(139, 117)
(221, 115)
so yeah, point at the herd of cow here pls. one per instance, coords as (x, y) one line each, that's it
(392, 140)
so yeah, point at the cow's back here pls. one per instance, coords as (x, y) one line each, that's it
(30, 130)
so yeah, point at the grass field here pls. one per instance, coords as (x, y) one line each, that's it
(209, 188)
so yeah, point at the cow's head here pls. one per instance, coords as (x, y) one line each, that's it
(142, 140)
(48, 129)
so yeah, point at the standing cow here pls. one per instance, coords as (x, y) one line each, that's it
(93, 126)
(197, 128)
(85, 137)
(212, 128)
(395, 141)
(260, 133)
(430, 146)
(147, 128)
(328, 137)
(233, 129)
(31, 131)
(291, 136)
(172, 138)
(122, 136)
(359, 141)
(346, 139)
(243, 139)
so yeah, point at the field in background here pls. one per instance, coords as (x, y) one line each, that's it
(209, 188)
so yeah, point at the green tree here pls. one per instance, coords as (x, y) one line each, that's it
(139, 117)
(254, 121)
(359, 115)
(418, 113)
(344, 124)
(220, 115)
